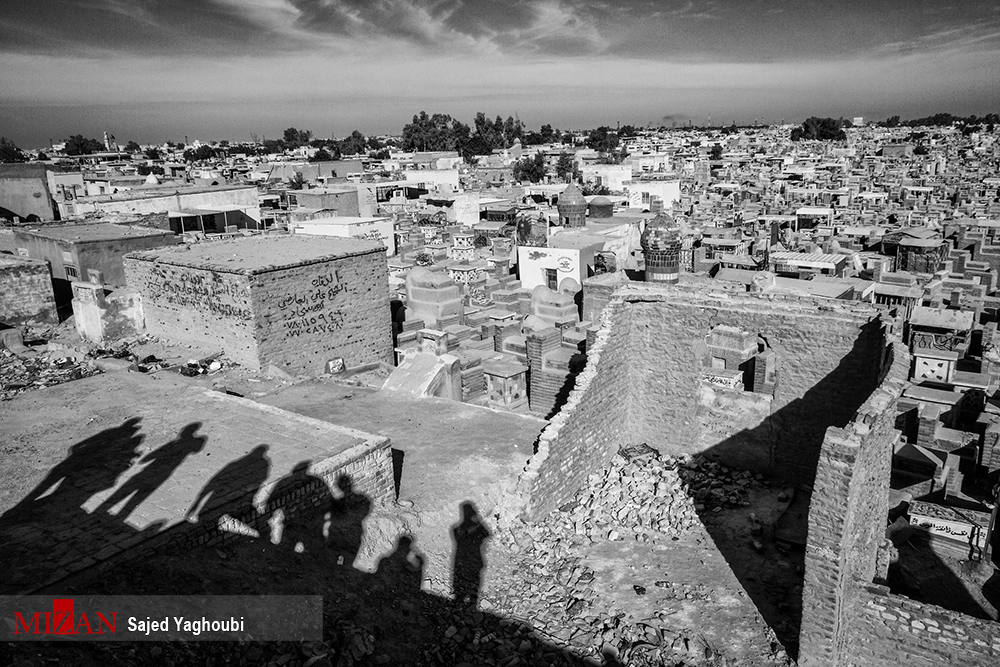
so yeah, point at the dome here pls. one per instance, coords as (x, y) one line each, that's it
(661, 233)
(601, 207)
(571, 196)
(152, 179)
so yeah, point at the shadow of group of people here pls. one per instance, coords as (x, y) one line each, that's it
(50, 530)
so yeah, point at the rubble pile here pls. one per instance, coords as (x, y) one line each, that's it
(21, 373)
(474, 638)
(714, 486)
(636, 497)
(555, 591)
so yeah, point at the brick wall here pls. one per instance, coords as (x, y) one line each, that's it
(848, 620)
(847, 517)
(296, 318)
(828, 357)
(25, 291)
(197, 306)
(894, 630)
(307, 315)
(590, 428)
(643, 386)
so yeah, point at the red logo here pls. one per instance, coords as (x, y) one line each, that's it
(63, 621)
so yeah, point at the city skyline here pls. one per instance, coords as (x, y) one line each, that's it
(226, 69)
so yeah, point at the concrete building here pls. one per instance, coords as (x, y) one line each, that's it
(88, 252)
(379, 230)
(205, 209)
(341, 201)
(294, 302)
(25, 193)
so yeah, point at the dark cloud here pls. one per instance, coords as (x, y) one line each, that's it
(679, 30)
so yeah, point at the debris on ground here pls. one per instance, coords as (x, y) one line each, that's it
(24, 373)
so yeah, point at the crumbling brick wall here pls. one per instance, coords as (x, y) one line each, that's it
(589, 429)
(894, 630)
(830, 359)
(847, 619)
(25, 291)
(847, 518)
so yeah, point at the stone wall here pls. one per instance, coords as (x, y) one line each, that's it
(201, 307)
(25, 291)
(310, 314)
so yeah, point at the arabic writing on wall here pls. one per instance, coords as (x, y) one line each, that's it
(204, 291)
(314, 311)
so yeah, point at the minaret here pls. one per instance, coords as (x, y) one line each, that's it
(661, 248)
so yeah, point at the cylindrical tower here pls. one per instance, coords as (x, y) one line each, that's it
(661, 248)
(572, 207)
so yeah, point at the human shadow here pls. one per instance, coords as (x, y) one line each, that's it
(161, 464)
(232, 490)
(44, 534)
(470, 535)
(347, 517)
(375, 618)
(400, 574)
(302, 530)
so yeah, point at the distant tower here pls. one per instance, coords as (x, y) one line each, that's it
(661, 248)
(572, 207)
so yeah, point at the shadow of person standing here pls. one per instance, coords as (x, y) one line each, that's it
(49, 523)
(469, 536)
(401, 571)
(302, 527)
(347, 517)
(161, 465)
(232, 490)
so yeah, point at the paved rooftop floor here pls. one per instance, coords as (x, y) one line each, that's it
(99, 465)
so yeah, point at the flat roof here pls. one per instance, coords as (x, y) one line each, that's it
(92, 232)
(342, 220)
(17, 260)
(259, 254)
(941, 318)
(166, 190)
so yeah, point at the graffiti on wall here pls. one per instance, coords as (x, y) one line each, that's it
(203, 290)
(314, 311)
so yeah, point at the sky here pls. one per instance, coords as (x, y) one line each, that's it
(158, 70)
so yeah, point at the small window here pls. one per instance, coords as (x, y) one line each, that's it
(551, 279)
(71, 273)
